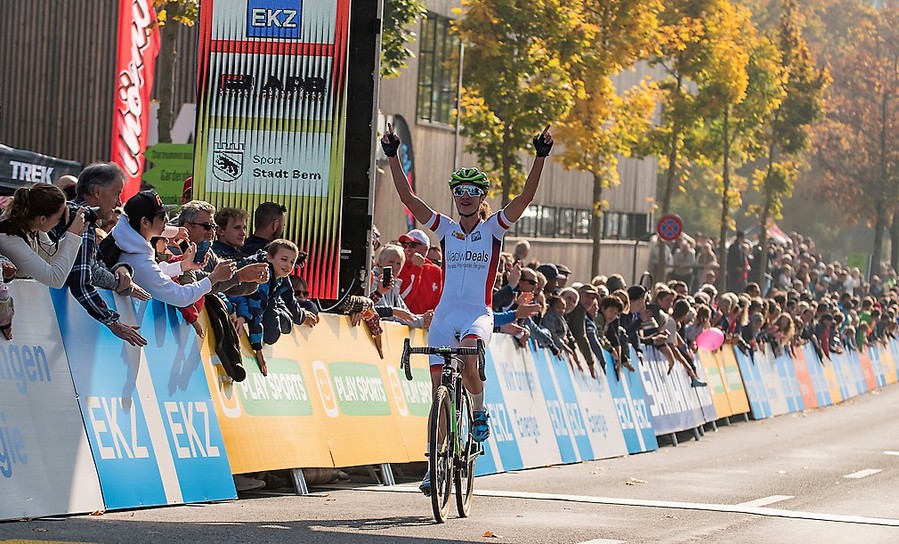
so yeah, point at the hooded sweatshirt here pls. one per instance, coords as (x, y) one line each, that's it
(140, 256)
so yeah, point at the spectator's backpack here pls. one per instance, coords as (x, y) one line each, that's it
(110, 251)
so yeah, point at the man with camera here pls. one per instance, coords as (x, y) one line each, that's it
(99, 190)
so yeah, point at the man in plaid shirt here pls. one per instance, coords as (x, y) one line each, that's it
(100, 186)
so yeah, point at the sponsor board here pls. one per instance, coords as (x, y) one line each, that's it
(150, 419)
(808, 383)
(45, 462)
(630, 406)
(756, 389)
(789, 381)
(556, 405)
(717, 388)
(670, 409)
(730, 372)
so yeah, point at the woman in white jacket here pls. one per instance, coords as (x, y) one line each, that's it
(32, 214)
(144, 218)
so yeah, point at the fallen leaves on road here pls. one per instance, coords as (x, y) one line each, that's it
(491, 534)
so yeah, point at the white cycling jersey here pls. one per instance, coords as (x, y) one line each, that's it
(469, 260)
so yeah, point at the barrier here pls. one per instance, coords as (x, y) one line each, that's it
(630, 404)
(164, 425)
(45, 462)
(151, 424)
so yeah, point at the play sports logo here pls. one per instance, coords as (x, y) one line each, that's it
(274, 18)
(323, 381)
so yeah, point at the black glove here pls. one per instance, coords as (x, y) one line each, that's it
(390, 143)
(541, 146)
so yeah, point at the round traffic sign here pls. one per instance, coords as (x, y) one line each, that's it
(670, 227)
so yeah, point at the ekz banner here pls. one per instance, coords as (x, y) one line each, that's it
(271, 117)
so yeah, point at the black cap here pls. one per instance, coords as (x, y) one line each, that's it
(636, 292)
(146, 204)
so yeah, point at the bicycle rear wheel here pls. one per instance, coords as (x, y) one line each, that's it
(464, 469)
(440, 459)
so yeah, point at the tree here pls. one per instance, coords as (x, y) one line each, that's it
(518, 71)
(787, 128)
(170, 14)
(705, 69)
(603, 124)
(396, 34)
(858, 143)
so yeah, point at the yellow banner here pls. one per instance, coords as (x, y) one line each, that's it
(889, 364)
(289, 419)
(730, 371)
(717, 385)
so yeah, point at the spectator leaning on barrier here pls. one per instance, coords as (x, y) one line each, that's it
(143, 220)
(33, 213)
(268, 225)
(100, 186)
(231, 229)
(272, 309)
(387, 298)
(197, 217)
(422, 281)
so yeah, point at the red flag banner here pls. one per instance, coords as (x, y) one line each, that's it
(138, 47)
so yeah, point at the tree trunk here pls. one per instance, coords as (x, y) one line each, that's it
(165, 74)
(879, 226)
(507, 167)
(762, 266)
(661, 270)
(596, 225)
(894, 242)
(722, 233)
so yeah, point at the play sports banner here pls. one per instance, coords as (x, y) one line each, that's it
(271, 117)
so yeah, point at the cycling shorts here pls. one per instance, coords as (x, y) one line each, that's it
(450, 325)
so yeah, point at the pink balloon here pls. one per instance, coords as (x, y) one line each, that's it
(710, 339)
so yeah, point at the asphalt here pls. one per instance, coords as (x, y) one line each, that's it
(779, 480)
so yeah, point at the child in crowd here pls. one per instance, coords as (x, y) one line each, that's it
(271, 310)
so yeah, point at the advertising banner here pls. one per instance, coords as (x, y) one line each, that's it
(324, 407)
(756, 391)
(271, 117)
(138, 45)
(556, 405)
(598, 412)
(563, 375)
(630, 404)
(807, 383)
(865, 363)
(710, 367)
(730, 371)
(877, 365)
(788, 379)
(19, 167)
(668, 406)
(766, 365)
(844, 374)
(703, 394)
(889, 356)
(151, 423)
(45, 462)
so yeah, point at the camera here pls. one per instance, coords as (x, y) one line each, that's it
(90, 215)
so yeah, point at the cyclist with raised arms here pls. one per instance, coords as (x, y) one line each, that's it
(471, 250)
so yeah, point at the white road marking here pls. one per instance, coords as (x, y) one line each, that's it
(603, 541)
(888, 452)
(707, 507)
(765, 501)
(862, 473)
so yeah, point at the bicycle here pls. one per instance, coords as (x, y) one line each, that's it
(452, 450)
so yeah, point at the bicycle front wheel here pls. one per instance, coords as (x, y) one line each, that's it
(465, 464)
(440, 459)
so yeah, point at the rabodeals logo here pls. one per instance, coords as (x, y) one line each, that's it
(274, 18)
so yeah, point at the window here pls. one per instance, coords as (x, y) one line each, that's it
(548, 222)
(572, 223)
(438, 70)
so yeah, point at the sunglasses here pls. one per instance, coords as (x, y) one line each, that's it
(206, 226)
(470, 190)
(411, 244)
(532, 282)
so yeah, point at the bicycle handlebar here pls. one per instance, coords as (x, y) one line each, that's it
(444, 351)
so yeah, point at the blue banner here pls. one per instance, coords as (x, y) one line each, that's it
(790, 382)
(556, 405)
(669, 408)
(756, 391)
(148, 412)
(819, 381)
(630, 404)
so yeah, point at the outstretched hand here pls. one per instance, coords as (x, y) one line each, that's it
(543, 143)
(390, 142)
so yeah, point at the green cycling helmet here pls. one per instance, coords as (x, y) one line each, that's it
(469, 176)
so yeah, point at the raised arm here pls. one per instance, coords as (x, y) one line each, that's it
(543, 143)
(419, 208)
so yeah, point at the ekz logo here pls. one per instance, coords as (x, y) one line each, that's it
(273, 18)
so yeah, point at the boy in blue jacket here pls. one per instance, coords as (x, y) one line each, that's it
(272, 310)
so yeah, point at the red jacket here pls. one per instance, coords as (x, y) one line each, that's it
(421, 286)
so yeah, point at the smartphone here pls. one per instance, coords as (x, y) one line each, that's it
(386, 275)
(202, 250)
